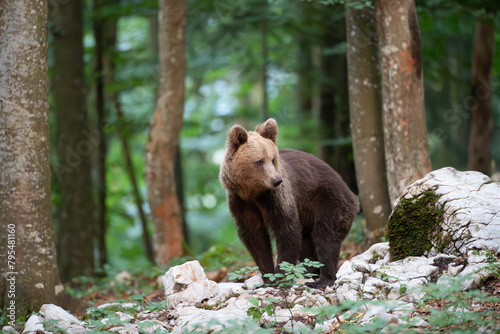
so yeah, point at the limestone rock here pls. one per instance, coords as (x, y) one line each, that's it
(463, 214)
(191, 317)
(64, 320)
(9, 330)
(188, 284)
(178, 277)
(193, 293)
(254, 282)
(33, 324)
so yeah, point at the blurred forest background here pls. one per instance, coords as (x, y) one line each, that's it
(245, 61)
(113, 146)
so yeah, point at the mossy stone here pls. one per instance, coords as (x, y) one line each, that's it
(414, 224)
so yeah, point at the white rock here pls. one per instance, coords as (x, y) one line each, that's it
(64, 320)
(379, 312)
(160, 279)
(224, 290)
(178, 277)
(193, 293)
(125, 329)
(121, 305)
(151, 328)
(454, 269)
(294, 326)
(123, 277)
(54, 312)
(474, 274)
(374, 253)
(254, 282)
(316, 301)
(236, 309)
(33, 324)
(327, 326)
(471, 204)
(9, 330)
(348, 286)
(124, 316)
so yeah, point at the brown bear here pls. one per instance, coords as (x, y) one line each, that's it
(289, 194)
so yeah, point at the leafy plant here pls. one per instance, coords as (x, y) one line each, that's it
(256, 312)
(291, 273)
(238, 274)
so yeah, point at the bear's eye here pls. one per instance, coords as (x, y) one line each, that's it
(274, 159)
(259, 163)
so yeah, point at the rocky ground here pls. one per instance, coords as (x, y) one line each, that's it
(453, 285)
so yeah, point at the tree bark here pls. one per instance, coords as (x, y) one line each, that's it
(481, 126)
(98, 28)
(265, 60)
(335, 148)
(148, 246)
(365, 103)
(75, 144)
(30, 279)
(166, 125)
(405, 132)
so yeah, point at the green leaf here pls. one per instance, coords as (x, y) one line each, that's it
(254, 301)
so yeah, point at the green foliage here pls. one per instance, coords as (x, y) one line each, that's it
(257, 310)
(493, 263)
(224, 255)
(412, 224)
(238, 274)
(458, 308)
(223, 86)
(234, 326)
(143, 281)
(53, 326)
(291, 273)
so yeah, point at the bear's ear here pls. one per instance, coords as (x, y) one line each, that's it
(268, 129)
(236, 136)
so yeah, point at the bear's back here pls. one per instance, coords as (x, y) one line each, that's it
(314, 182)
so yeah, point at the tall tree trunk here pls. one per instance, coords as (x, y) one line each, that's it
(179, 184)
(98, 28)
(74, 147)
(166, 125)
(265, 60)
(27, 251)
(405, 132)
(481, 126)
(365, 105)
(148, 246)
(110, 69)
(334, 114)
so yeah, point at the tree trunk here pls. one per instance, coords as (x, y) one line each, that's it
(405, 132)
(129, 165)
(481, 126)
(74, 147)
(166, 125)
(27, 252)
(179, 184)
(98, 28)
(335, 148)
(265, 60)
(366, 118)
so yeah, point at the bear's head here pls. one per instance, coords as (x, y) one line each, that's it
(251, 164)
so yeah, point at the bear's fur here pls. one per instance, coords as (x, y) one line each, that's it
(293, 195)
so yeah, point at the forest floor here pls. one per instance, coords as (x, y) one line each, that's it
(147, 289)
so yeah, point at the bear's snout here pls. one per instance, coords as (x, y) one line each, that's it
(277, 181)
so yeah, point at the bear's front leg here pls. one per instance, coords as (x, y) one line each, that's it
(252, 232)
(288, 233)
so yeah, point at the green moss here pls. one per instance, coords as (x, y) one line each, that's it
(413, 224)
